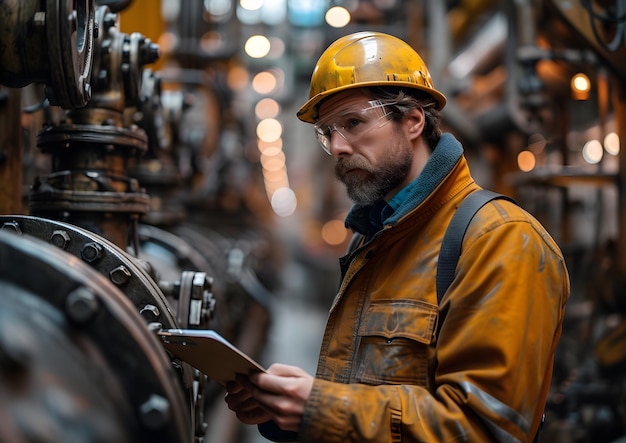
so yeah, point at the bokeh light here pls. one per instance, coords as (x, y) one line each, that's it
(611, 143)
(337, 17)
(593, 152)
(257, 46)
(334, 232)
(526, 161)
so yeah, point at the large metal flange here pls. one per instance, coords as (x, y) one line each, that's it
(47, 198)
(131, 142)
(102, 255)
(85, 362)
(70, 29)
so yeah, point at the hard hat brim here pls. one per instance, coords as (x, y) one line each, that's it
(308, 112)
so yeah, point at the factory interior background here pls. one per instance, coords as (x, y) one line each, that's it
(157, 177)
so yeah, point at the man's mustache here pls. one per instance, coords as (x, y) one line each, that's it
(346, 164)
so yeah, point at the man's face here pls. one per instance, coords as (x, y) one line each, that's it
(373, 163)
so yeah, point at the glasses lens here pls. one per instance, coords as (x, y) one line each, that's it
(323, 137)
(351, 124)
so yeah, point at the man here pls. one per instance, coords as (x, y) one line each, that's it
(394, 364)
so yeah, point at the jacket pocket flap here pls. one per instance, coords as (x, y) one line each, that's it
(412, 319)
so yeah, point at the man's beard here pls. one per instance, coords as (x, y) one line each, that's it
(373, 182)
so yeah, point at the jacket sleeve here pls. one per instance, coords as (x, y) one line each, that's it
(500, 322)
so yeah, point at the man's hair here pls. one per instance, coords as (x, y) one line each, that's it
(402, 100)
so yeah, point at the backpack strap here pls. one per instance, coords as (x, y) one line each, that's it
(450, 250)
(453, 238)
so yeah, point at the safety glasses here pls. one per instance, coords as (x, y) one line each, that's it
(352, 124)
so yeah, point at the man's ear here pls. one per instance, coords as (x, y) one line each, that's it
(414, 123)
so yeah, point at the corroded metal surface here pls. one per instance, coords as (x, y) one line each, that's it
(52, 44)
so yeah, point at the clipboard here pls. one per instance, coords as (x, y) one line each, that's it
(209, 352)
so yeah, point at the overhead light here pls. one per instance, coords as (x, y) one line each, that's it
(337, 17)
(251, 5)
(267, 108)
(284, 202)
(257, 46)
(580, 85)
(334, 232)
(611, 143)
(526, 161)
(592, 152)
(269, 130)
(238, 78)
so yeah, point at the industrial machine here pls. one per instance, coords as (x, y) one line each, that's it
(85, 286)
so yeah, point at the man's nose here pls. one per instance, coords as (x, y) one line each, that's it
(339, 146)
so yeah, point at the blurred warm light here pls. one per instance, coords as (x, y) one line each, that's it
(257, 46)
(238, 78)
(272, 187)
(211, 41)
(275, 179)
(267, 108)
(270, 150)
(269, 129)
(581, 85)
(273, 162)
(277, 48)
(580, 82)
(264, 82)
(592, 152)
(167, 42)
(284, 202)
(263, 145)
(526, 161)
(251, 5)
(611, 143)
(334, 232)
(337, 17)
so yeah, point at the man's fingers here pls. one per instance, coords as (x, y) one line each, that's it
(286, 370)
(245, 406)
(278, 379)
(234, 387)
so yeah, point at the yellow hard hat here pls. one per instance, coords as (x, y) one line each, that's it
(367, 59)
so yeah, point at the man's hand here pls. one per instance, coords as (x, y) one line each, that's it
(279, 394)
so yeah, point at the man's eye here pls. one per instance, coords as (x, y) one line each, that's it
(352, 123)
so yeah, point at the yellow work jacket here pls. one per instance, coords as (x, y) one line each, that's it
(396, 367)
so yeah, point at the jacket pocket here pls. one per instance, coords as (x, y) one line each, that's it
(394, 340)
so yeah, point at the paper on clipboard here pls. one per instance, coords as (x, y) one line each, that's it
(209, 352)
